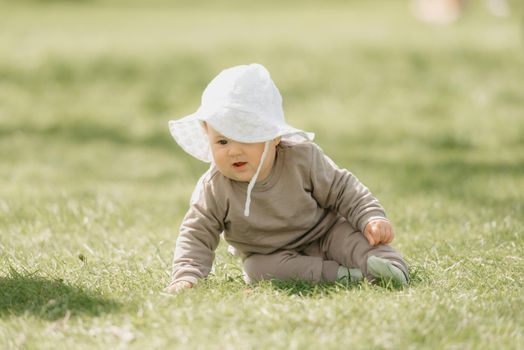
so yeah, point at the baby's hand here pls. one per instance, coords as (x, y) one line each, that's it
(379, 231)
(177, 287)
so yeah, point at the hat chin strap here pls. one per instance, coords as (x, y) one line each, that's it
(254, 179)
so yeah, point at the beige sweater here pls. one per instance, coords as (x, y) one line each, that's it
(305, 194)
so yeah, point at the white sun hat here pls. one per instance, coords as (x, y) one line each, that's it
(243, 104)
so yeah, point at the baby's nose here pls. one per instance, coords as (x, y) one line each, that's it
(235, 150)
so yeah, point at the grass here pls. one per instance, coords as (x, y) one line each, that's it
(92, 188)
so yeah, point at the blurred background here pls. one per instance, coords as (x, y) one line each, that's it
(87, 87)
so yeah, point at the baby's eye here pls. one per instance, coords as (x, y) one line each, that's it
(222, 142)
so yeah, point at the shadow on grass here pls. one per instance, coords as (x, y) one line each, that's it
(48, 299)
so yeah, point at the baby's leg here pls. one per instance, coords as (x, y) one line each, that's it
(350, 248)
(289, 265)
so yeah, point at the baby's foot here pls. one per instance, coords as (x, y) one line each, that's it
(385, 270)
(345, 274)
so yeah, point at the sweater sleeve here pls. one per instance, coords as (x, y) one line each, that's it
(339, 190)
(198, 237)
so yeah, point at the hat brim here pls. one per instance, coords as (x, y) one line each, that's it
(191, 136)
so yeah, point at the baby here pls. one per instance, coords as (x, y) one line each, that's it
(285, 207)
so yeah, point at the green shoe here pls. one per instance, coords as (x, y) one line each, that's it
(345, 274)
(385, 270)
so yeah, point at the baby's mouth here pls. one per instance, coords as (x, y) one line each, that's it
(239, 164)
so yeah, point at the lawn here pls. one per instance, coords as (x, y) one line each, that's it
(93, 188)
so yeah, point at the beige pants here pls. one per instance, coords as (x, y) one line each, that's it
(319, 261)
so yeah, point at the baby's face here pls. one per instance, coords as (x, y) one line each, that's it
(239, 161)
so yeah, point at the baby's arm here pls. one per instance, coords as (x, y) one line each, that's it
(198, 238)
(341, 191)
